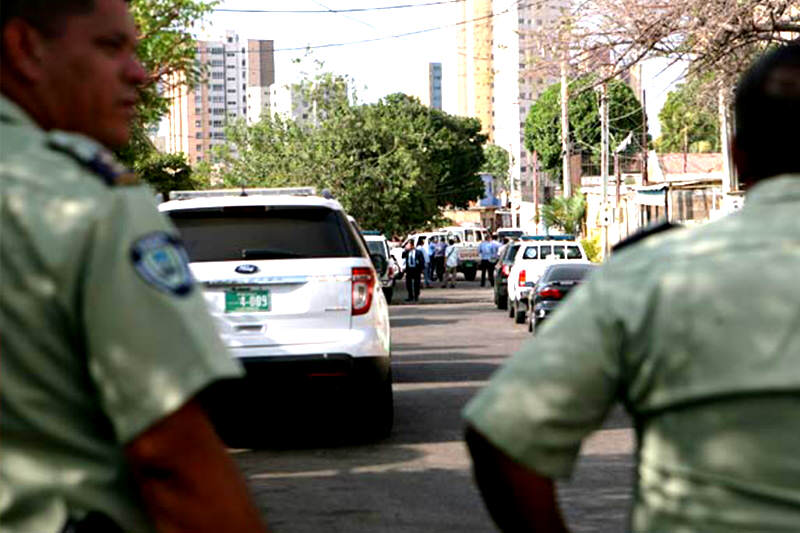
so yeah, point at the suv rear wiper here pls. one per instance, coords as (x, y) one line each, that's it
(270, 253)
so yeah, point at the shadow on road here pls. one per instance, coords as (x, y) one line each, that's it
(404, 322)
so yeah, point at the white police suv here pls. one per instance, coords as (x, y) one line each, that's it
(294, 293)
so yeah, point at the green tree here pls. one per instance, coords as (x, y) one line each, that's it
(543, 123)
(497, 164)
(689, 122)
(166, 172)
(393, 164)
(565, 213)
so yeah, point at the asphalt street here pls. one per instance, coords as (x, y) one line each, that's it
(419, 480)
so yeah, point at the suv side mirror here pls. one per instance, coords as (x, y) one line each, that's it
(380, 263)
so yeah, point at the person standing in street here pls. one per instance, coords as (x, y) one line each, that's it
(415, 262)
(487, 251)
(107, 343)
(423, 248)
(438, 258)
(451, 264)
(697, 333)
(432, 258)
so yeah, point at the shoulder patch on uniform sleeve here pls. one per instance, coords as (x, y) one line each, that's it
(93, 156)
(160, 259)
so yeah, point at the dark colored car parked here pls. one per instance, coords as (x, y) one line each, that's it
(554, 285)
(501, 270)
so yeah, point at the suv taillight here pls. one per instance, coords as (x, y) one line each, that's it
(363, 287)
(506, 270)
(521, 281)
(550, 292)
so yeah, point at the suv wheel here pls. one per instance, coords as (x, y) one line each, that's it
(502, 303)
(510, 307)
(378, 413)
(520, 314)
(388, 292)
(470, 273)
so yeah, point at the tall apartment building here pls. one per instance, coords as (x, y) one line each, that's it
(497, 75)
(475, 73)
(237, 86)
(435, 85)
(306, 103)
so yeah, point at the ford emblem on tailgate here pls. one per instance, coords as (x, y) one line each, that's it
(247, 269)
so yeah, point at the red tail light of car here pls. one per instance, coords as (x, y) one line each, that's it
(521, 280)
(550, 292)
(506, 270)
(363, 289)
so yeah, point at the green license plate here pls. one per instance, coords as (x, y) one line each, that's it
(247, 301)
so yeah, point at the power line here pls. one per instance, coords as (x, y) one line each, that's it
(407, 34)
(350, 10)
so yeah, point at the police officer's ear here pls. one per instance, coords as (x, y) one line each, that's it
(24, 51)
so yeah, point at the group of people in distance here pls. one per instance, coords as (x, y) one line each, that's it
(436, 260)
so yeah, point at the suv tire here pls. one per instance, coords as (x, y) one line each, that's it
(502, 303)
(470, 274)
(377, 418)
(510, 307)
(520, 314)
(388, 293)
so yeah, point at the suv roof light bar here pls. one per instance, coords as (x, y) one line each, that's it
(548, 238)
(259, 191)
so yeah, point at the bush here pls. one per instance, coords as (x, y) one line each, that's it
(592, 249)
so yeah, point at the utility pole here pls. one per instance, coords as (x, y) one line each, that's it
(645, 177)
(567, 184)
(604, 162)
(536, 190)
(728, 177)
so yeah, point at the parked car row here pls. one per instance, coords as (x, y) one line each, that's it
(292, 286)
(534, 273)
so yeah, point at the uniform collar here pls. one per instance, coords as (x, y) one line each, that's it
(785, 188)
(11, 112)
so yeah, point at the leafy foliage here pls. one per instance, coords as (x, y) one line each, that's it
(393, 164)
(688, 122)
(565, 213)
(166, 172)
(543, 123)
(498, 163)
(592, 249)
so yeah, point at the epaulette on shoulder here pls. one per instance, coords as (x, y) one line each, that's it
(92, 155)
(644, 233)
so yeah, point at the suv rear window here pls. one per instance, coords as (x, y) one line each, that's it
(259, 232)
(376, 247)
(567, 273)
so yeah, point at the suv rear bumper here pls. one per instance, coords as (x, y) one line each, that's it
(317, 367)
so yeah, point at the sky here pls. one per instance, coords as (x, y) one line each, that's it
(388, 62)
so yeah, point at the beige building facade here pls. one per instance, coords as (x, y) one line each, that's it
(237, 87)
(475, 73)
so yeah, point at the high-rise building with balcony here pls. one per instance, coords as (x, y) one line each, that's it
(475, 71)
(237, 86)
(435, 85)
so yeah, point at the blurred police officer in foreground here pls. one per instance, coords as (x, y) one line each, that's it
(106, 341)
(697, 333)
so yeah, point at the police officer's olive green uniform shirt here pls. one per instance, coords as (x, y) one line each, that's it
(102, 332)
(697, 333)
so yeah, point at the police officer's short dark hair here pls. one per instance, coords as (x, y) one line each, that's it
(46, 16)
(768, 114)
